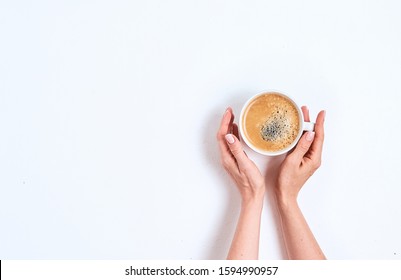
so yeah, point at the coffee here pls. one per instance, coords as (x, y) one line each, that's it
(271, 122)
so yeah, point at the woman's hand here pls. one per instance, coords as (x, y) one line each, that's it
(245, 173)
(251, 185)
(295, 170)
(302, 162)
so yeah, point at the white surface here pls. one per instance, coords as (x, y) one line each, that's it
(109, 109)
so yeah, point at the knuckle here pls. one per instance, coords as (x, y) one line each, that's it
(291, 160)
(236, 150)
(317, 163)
(225, 162)
(305, 146)
(244, 170)
(237, 153)
(244, 181)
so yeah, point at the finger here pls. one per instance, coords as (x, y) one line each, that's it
(225, 128)
(317, 145)
(226, 123)
(237, 151)
(235, 131)
(305, 112)
(227, 159)
(303, 146)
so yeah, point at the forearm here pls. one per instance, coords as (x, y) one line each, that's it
(299, 239)
(245, 244)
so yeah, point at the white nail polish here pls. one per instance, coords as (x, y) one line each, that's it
(310, 135)
(230, 139)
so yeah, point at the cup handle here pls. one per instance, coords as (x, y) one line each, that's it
(309, 126)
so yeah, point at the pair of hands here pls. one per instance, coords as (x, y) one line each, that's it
(294, 171)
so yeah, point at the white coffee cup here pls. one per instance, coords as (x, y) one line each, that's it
(303, 125)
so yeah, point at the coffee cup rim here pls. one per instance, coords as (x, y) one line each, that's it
(301, 123)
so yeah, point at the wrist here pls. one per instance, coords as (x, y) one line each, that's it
(254, 200)
(284, 200)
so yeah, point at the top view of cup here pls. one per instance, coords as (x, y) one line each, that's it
(271, 123)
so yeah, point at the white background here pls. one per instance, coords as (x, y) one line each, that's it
(109, 110)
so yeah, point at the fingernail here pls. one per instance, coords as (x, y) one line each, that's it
(324, 115)
(230, 139)
(310, 135)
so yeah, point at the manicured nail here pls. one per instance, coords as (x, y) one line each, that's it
(230, 138)
(310, 135)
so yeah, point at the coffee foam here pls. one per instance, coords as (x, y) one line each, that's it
(271, 122)
(278, 127)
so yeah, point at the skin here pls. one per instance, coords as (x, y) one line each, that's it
(295, 170)
(251, 185)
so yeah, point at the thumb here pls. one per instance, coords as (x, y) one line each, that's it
(236, 150)
(303, 145)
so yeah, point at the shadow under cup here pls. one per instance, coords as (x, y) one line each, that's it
(271, 123)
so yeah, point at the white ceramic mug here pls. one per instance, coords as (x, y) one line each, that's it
(304, 126)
